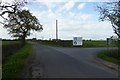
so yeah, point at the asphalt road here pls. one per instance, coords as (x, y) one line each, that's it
(54, 62)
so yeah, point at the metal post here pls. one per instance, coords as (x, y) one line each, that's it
(56, 30)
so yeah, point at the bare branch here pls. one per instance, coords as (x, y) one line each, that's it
(111, 12)
(14, 7)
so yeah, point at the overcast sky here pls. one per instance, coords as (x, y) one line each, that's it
(75, 19)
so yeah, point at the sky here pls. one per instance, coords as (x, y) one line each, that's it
(76, 18)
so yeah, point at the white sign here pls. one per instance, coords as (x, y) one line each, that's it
(77, 41)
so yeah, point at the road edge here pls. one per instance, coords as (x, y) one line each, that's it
(108, 64)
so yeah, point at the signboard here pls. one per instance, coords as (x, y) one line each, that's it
(77, 41)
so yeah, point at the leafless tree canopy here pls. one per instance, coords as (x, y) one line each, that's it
(111, 12)
(10, 8)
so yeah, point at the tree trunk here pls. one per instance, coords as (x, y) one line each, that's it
(23, 39)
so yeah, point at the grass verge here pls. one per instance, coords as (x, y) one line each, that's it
(16, 62)
(110, 56)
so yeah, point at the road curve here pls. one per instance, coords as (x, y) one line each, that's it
(68, 63)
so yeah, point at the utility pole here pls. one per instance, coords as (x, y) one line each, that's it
(56, 30)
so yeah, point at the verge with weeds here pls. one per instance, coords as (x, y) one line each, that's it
(16, 62)
(110, 56)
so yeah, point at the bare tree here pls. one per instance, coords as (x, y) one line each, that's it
(10, 8)
(111, 12)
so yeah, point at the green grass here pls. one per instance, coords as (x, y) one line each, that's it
(69, 43)
(110, 56)
(95, 43)
(9, 42)
(16, 62)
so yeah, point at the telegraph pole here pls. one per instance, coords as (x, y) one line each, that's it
(56, 30)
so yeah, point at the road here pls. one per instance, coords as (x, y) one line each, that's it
(54, 62)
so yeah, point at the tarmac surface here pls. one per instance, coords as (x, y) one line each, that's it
(55, 62)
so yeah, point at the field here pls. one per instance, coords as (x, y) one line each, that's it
(69, 43)
(9, 42)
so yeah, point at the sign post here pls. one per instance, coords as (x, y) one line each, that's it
(109, 42)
